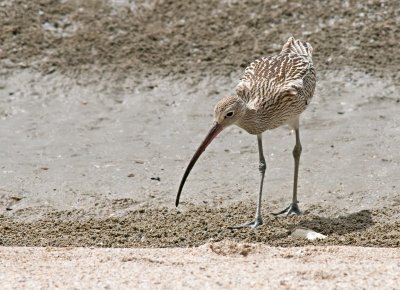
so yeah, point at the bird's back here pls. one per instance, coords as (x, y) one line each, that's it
(281, 86)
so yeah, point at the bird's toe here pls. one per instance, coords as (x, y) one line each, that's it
(291, 210)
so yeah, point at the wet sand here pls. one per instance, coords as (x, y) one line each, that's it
(80, 157)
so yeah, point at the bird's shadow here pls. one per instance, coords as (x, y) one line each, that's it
(340, 225)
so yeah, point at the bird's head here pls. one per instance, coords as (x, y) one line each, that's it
(226, 112)
(229, 110)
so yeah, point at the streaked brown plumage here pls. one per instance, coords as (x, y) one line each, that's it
(273, 91)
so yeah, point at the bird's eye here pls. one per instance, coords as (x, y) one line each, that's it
(230, 114)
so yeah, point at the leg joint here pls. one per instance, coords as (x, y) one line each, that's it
(262, 166)
(297, 150)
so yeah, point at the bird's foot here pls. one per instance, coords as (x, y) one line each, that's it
(292, 209)
(253, 224)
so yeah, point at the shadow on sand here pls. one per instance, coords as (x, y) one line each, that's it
(341, 225)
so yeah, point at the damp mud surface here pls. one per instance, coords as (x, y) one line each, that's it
(98, 164)
(103, 103)
(198, 226)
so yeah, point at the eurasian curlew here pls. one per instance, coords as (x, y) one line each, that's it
(273, 91)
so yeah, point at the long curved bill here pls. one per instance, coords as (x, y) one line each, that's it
(214, 131)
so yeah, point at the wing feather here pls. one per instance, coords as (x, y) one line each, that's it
(270, 76)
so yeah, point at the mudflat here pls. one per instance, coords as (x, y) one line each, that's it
(102, 104)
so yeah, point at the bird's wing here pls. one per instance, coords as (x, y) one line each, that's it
(272, 76)
(296, 46)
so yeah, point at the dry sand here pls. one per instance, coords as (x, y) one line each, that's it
(224, 265)
(102, 104)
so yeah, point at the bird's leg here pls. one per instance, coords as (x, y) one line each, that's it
(262, 167)
(293, 208)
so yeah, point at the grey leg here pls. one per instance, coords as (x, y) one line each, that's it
(262, 167)
(293, 208)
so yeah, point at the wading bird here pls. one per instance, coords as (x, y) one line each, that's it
(273, 91)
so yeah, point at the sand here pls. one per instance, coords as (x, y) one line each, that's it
(225, 265)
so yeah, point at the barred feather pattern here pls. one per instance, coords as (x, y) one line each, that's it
(278, 88)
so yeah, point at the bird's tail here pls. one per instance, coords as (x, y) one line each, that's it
(297, 47)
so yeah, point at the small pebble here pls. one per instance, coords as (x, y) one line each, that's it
(17, 198)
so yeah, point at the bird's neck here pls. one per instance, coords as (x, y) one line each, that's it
(250, 121)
